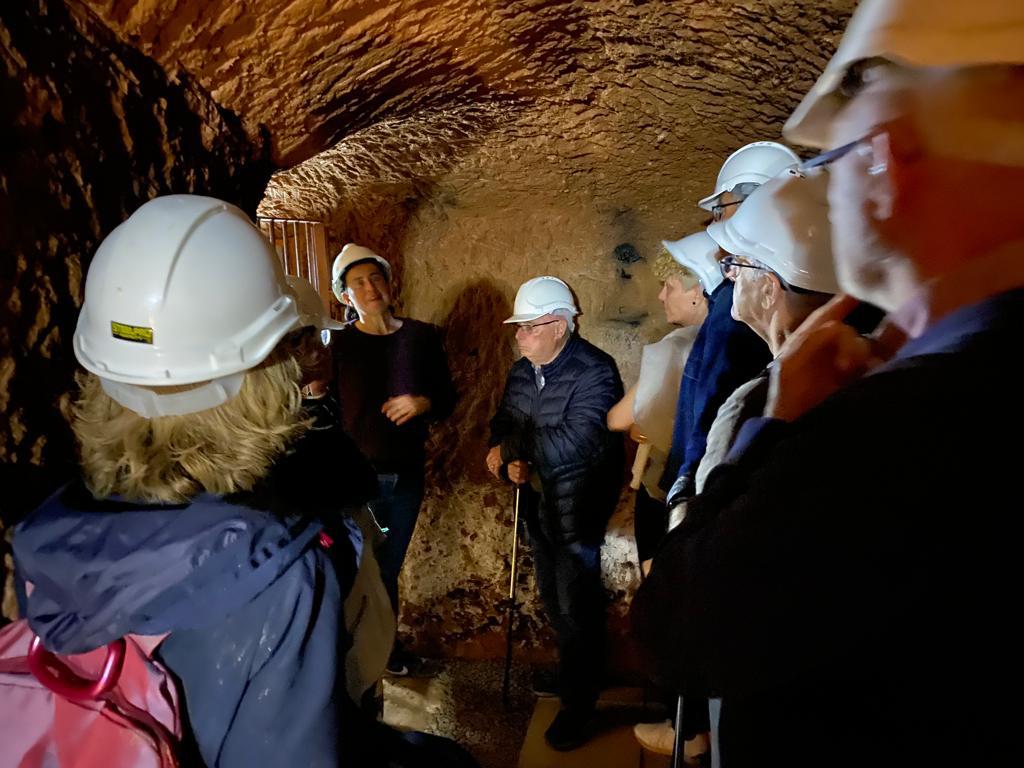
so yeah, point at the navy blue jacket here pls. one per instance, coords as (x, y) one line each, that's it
(725, 354)
(859, 567)
(252, 603)
(561, 430)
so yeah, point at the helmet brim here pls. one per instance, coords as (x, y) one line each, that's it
(710, 201)
(524, 318)
(719, 232)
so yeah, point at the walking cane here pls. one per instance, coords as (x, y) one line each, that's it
(677, 744)
(511, 600)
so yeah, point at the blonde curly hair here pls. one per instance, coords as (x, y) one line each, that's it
(221, 450)
(665, 266)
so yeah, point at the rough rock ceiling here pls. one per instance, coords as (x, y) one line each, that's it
(682, 76)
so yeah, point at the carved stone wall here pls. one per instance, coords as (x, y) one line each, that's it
(91, 128)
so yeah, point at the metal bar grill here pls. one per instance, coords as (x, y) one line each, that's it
(301, 244)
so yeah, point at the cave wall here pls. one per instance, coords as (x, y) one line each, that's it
(583, 178)
(475, 144)
(90, 130)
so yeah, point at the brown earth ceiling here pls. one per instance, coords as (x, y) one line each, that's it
(682, 76)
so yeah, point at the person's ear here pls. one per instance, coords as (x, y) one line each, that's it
(345, 299)
(893, 168)
(562, 328)
(881, 194)
(771, 291)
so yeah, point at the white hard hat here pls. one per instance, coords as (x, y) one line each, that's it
(784, 226)
(350, 255)
(911, 33)
(750, 165)
(541, 296)
(699, 254)
(186, 290)
(311, 306)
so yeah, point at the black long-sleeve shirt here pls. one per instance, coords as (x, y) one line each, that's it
(369, 369)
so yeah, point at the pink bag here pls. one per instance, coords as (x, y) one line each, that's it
(112, 707)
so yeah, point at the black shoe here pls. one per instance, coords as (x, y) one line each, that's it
(544, 683)
(571, 728)
(404, 664)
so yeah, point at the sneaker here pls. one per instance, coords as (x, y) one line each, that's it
(404, 664)
(544, 683)
(659, 738)
(571, 728)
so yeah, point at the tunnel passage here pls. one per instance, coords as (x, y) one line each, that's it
(475, 145)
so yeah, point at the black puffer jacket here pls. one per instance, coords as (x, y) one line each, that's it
(560, 429)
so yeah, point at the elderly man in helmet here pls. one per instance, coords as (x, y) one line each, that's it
(850, 572)
(779, 258)
(200, 518)
(550, 433)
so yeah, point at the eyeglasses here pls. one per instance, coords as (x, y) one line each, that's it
(857, 78)
(863, 146)
(531, 330)
(827, 158)
(730, 263)
(741, 192)
(718, 210)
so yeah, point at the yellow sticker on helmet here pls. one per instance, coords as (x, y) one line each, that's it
(137, 333)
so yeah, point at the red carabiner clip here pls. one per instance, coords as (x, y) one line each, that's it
(55, 675)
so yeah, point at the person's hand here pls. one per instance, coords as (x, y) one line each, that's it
(518, 471)
(822, 356)
(676, 515)
(404, 407)
(494, 461)
(315, 389)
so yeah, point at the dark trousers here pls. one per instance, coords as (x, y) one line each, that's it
(696, 714)
(396, 508)
(569, 579)
(650, 521)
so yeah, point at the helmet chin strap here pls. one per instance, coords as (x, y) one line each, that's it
(150, 403)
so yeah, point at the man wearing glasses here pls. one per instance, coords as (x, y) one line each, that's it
(550, 437)
(779, 258)
(850, 573)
